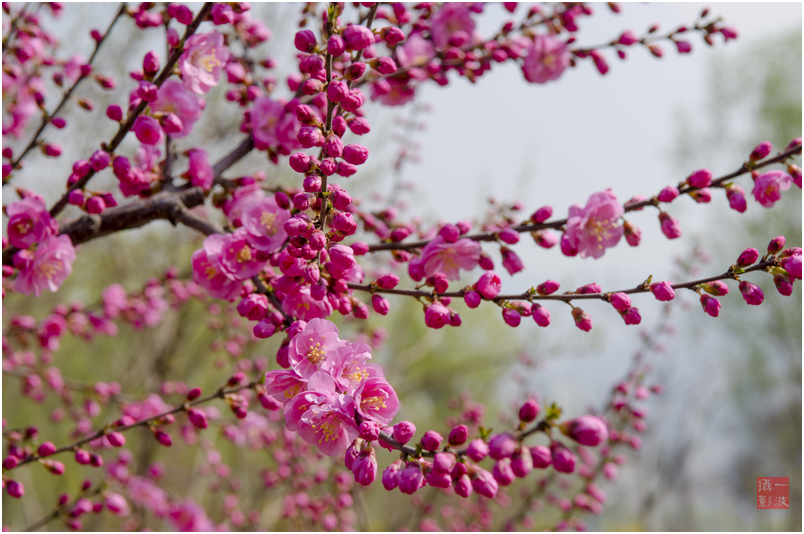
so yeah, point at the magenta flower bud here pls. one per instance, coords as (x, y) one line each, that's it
(761, 151)
(670, 226)
(587, 430)
(710, 305)
(511, 317)
(96, 460)
(359, 126)
(502, 446)
(450, 233)
(148, 130)
(163, 438)
(353, 72)
(509, 236)
(388, 281)
(717, 288)
(522, 462)
(483, 483)
(736, 196)
(355, 154)
(300, 162)
(548, 287)
(392, 35)
(358, 37)
(633, 235)
(305, 41)
(328, 167)
(197, 418)
(46, 449)
(295, 226)
(541, 457)
(472, 299)
(631, 316)
(566, 246)
(431, 440)
(700, 179)
(150, 63)
(489, 284)
(477, 450)
(411, 478)
(582, 319)
(443, 462)
(628, 38)
(589, 288)
(339, 126)
(341, 199)
(193, 394)
(541, 315)
(336, 46)
(10, 462)
(662, 291)
(529, 411)
(668, 194)
(390, 476)
(147, 91)
(253, 307)
(369, 431)
(620, 301)
(436, 316)
(343, 222)
(541, 214)
(76, 197)
(265, 329)
(116, 439)
(563, 458)
(52, 150)
(752, 294)
(99, 160)
(502, 472)
(404, 431)
(380, 304)
(776, 245)
(784, 285)
(14, 489)
(748, 257)
(458, 435)
(312, 86)
(383, 65)
(792, 264)
(95, 205)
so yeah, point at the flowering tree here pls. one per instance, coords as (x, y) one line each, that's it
(279, 262)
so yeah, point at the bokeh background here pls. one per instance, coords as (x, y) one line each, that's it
(731, 410)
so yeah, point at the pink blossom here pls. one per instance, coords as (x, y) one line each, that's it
(174, 98)
(450, 19)
(208, 274)
(768, 187)
(202, 61)
(312, 349)
(273, 124)
(48, 267)
(200, 171)
(449, 258)
(242, 198)
(376, 400)
(546, 60)
(349, 367)
(593, 229)
(326, 420)
(300, 303)
(264, 221)
(284, 384)
(235, 257)
(187, 516)
(29, 222)
(415, 52)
